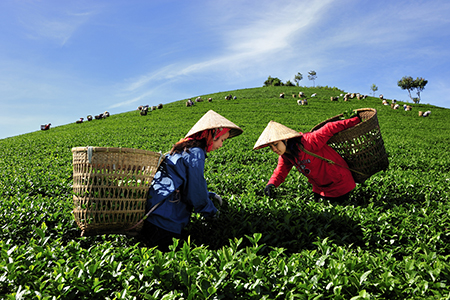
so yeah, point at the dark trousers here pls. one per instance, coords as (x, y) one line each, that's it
(342, 198)
(154, 236)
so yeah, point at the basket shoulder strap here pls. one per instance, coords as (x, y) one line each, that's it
(316, 155)
(145, 217)
(161, 160)
(327, 160)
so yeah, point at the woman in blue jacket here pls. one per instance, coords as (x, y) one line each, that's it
(179, 187)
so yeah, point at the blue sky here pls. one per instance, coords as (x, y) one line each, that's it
(62, 60)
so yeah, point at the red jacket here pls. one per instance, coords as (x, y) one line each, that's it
(327, 179)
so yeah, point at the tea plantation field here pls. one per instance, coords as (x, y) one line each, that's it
(391, 240)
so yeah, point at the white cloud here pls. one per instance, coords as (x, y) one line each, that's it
(134, 84)
(267, 32)
(52, 21)
(131, 101)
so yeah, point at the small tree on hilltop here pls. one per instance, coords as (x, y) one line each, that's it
(406, 83)
(273, 81)
(374, 88)
(269, 81)
(289, 83)
(298, 78)
(409, 84)
(312, 75)
(277, 82)
(420, 84)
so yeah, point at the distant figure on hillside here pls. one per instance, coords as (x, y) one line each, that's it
(79, 121)
(46, 126)
(179, 186)
(302, 102)
(311, 155)
(144, 111)
(189, 103)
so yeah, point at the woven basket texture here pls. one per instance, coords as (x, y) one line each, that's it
(110, 189)
(361, 146)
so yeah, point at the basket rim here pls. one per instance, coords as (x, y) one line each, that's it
(115, 150)
(316, 127)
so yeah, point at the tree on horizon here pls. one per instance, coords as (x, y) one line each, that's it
(312, 75)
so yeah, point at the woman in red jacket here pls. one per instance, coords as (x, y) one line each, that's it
(331, 181)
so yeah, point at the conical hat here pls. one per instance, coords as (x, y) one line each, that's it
(212, 120)
(275, 132)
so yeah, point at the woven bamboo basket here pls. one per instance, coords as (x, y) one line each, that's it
(110, 187)
(361, 146)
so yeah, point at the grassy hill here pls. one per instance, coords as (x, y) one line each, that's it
(389, 241)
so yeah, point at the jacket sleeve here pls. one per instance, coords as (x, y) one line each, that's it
(317, 139)
(281, 171)
(196, 191)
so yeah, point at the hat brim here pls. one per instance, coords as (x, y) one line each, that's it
(212, 120)
(275, 132)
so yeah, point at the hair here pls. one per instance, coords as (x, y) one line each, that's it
(291, 145)
(184, 145)
(203, 139)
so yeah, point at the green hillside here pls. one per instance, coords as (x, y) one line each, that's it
(391, 240)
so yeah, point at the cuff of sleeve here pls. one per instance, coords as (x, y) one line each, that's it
(211, 214)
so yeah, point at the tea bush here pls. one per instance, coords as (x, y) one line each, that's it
(389, 241)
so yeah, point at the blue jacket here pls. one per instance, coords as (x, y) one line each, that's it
(180, 183)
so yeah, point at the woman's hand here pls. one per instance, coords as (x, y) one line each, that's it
(217, 200)
(268, 189)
